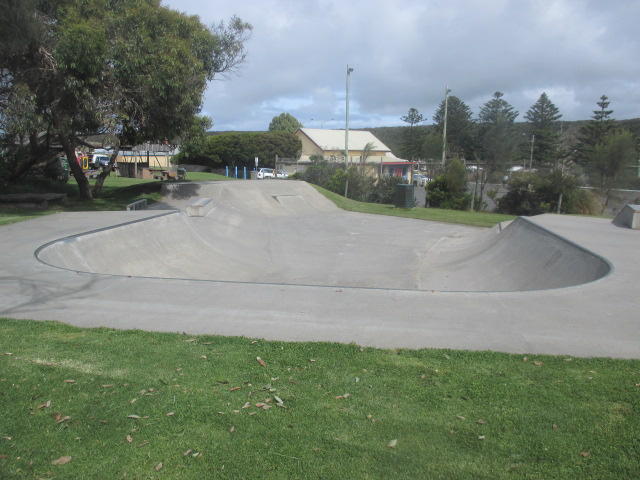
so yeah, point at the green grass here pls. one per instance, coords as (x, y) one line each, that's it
(116, 194)
(478, 219)
(66, 391)
(206, 177)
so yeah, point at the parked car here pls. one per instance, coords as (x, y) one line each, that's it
(99, 160)
(420, 180)
(266, 173)
(281, 174)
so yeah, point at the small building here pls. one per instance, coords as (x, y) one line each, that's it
(365, 150)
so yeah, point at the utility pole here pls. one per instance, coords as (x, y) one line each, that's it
(533, 139)
(346, 131)
(444, 132)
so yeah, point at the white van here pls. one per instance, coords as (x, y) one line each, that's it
(99, 160)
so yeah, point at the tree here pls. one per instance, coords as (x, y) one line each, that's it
(616, 151)
(411, 141)
(285, 122)
(543, 117)
(240, 149)
(594, 132)
(132, 69)
(497, 138)
(448, 190)
(497, 110)
(460, 127)
(366, 152)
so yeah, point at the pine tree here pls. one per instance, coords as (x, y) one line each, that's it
(411, 136)
(593, 133)
(460, 127)
(543, 117)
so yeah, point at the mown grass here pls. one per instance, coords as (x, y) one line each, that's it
(116, 194)
(478, 219)
(133, 404)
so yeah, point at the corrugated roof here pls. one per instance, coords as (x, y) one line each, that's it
(334, 139)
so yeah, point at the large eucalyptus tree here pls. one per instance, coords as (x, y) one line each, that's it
(132, 69)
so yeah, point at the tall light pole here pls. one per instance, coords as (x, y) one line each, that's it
(533, 139)
(346, 130)
(444, 132)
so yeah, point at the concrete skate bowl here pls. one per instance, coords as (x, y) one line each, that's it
(284, 232)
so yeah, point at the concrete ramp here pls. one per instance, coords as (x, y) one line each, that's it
(522, 257)
(266, 198)
(628, 217)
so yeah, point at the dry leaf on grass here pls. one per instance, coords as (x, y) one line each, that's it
(261, 362)
(69, 381)
(128, 438)
(61, 461)
(393, 443)
(159, 467)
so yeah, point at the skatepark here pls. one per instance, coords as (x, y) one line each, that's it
(277, 260)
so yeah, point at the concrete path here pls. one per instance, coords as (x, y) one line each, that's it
(276, 260)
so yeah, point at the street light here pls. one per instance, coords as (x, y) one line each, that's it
(444, 132)
(533, 139)
(346, 130)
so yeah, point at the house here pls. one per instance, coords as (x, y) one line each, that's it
(365, 150)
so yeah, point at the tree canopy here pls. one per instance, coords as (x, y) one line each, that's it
(543, 117)
(460, 127)
(132, 69)
(593, 133)
(285, 122)
(412, 142)
(240, 149)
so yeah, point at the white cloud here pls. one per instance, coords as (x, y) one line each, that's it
(405, 52)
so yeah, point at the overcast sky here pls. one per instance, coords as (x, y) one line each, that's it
(404, 53)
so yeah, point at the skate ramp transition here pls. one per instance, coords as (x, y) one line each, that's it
(285, 232)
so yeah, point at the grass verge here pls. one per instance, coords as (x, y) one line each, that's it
(110, 404)
(478, 219)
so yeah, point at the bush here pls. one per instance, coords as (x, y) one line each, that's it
(448, 190)
(532, 194)
(384, 190)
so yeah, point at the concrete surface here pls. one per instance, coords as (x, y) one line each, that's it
(276, 260)
(629, 216)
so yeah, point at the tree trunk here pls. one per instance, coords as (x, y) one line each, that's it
(105, 173)
(76, 169)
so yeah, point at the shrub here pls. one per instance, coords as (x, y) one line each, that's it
(532, 194)
(448, 190)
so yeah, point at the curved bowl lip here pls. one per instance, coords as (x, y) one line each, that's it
(40, 249)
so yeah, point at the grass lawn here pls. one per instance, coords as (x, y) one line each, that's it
(116, 194)
(133, 404)
(478, 219)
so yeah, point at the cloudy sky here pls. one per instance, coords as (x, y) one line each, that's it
(404, 53)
